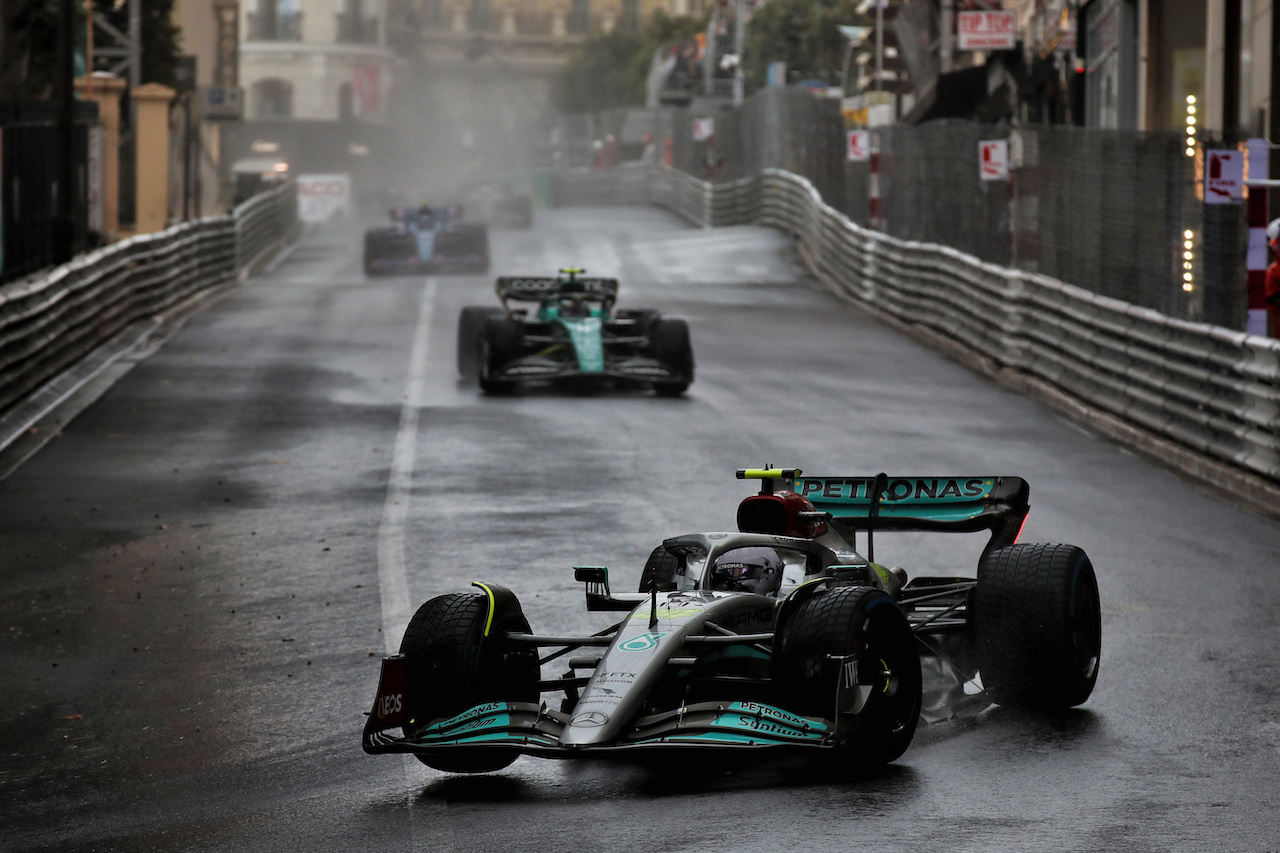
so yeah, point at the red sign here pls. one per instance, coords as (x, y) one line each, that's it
(366, 90)
(987, 31)
(859, 146)
(993, 160)
(1224, 177)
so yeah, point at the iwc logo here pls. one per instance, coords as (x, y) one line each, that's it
(589, 720)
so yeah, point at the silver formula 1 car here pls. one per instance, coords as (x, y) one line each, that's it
(780, 637)
(572, 336)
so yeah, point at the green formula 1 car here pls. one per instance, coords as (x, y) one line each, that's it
(571, 336)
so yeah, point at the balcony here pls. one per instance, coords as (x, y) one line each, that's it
(280, 26)
(354, 28)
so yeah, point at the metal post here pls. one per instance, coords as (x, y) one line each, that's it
(135, 43)
(64, 212)
(88, 48)
(947, 44)
(739, 38)
(879, 45)
(709, 51)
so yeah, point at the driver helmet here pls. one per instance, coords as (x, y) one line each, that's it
(574, 306)
(753, 569)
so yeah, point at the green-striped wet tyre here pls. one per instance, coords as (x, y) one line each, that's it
(452, 666)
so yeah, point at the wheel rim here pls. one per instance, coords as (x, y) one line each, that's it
(886, 667)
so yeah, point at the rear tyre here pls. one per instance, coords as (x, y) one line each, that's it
(1037, 626)
(452, 666)
(838, 623)
(661, 566)
(669, 345)
(470, 326)
(499, 346)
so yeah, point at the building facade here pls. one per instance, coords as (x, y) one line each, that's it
(315, 59)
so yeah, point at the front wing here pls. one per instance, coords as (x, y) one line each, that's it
(636, 370)
(534, 729)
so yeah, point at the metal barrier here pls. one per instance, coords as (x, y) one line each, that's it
(1207, 388)
(50, 322)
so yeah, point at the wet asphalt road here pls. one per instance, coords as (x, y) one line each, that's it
(198, 576)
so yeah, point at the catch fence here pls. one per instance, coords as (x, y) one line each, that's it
(1107, 211)
(1204, 388)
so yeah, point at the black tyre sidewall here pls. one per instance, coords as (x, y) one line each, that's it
(453, 667)
(1037, 626)
(840, 622)
(669, 344)
(470, 326)
(660, 565)
(501, 338)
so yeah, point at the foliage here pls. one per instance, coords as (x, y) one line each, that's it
(610, 69)
(28, 48)
(29, 42)
(802, 33)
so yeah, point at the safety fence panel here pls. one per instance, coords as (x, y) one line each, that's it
(1205, 387)
(50, 322)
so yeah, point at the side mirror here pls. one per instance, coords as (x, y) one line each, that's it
(592, 575)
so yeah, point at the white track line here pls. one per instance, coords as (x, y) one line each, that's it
(392, 581)
(428, 826)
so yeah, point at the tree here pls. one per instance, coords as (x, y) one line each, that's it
(28, 48)
(802, 33)
(610, 69)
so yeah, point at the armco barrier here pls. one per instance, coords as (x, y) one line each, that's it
(1206, 388)
(51, 321)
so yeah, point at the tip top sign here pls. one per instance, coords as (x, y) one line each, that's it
(987, 31)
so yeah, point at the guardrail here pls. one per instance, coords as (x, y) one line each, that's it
(51, 321)
(1204, 387)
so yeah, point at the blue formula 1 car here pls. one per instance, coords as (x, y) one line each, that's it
(427, 239)
(572, 336)
(781, 636)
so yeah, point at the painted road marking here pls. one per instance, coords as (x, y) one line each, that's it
(428, 823)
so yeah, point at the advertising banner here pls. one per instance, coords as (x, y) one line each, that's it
(323, 197)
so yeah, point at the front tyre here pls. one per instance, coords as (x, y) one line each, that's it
(848, 621)
(470, 327)
(453, 666)
(660, 568)
(1038, 626)
(500, 345)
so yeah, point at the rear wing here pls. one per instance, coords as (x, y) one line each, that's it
(526, 289)
(945, 504)
(948, 504)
